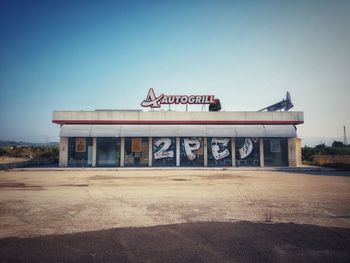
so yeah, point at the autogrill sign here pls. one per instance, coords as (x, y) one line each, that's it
(155, 102)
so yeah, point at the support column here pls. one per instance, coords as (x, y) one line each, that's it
(261, 149)
(63, 154)
(177, 151)
(122, 151)
(205, 153)
(294, 152)
(150, 155)
(94, 151)
(233, 151)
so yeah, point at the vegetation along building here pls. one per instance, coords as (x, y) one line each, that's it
(136, 138)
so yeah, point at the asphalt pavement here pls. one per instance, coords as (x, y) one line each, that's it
(189, 242)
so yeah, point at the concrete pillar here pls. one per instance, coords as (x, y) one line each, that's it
(233, 151)
(150, 155)
(94, 151)
(261, 149)
(294, 152)
(205, 153)
(122, 151)
(298, 151)
(63, 154)
(177, 151)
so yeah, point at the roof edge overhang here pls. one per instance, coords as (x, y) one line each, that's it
(180, 122)
(262, 131)
(178, 118)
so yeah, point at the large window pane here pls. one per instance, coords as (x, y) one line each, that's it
(136, 151)
(219, 152)
(164, 151)
(79, 152)
(276, 152)
(107, 152)
(192, 151)
(247, 152)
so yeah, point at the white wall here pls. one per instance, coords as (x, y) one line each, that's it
(244, 116)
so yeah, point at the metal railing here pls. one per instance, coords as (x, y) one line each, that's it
(41, 162)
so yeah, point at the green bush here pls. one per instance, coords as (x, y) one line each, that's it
(37, 152)
(337, 148)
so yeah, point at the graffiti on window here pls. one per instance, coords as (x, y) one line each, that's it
(219, 152)
(161, 147)
(247, 151)
(247, 147)
(192, 151)
(219, 148)
(164, 151)
(191, 147)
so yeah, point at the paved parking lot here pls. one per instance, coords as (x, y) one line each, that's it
(67, 204)
(57, 202)
(188, 242)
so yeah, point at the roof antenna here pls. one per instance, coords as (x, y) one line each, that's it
(284, 104)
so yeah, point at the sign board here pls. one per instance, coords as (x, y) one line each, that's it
(136, 145)
(153, 101)
(80, 145)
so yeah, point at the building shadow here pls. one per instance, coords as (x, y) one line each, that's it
(189, 242)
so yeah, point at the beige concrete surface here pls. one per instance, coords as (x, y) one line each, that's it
(294, 152)
(36, 203)
(121, 115)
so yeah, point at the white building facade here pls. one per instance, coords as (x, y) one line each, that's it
(178, 139)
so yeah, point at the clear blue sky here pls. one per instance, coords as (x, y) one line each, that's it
(86, 55)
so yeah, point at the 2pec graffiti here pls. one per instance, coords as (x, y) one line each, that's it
(219, 148)
(191, 145)
(216, 144)
(164, 144)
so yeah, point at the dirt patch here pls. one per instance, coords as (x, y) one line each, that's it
(102, 177)
(12, 184)
(32, 187)
(221, 177)
(107, 177)
(21, 186)
(225, 176)
(181, 180)
(78, 185)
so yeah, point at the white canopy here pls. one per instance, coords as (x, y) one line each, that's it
(83, 130)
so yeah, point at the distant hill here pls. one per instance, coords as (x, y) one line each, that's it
(27, 144)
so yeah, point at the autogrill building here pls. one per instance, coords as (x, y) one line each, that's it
(179, 139)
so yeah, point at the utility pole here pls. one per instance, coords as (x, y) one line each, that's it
(345, 138)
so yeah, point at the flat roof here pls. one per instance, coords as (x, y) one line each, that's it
(177, 117)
